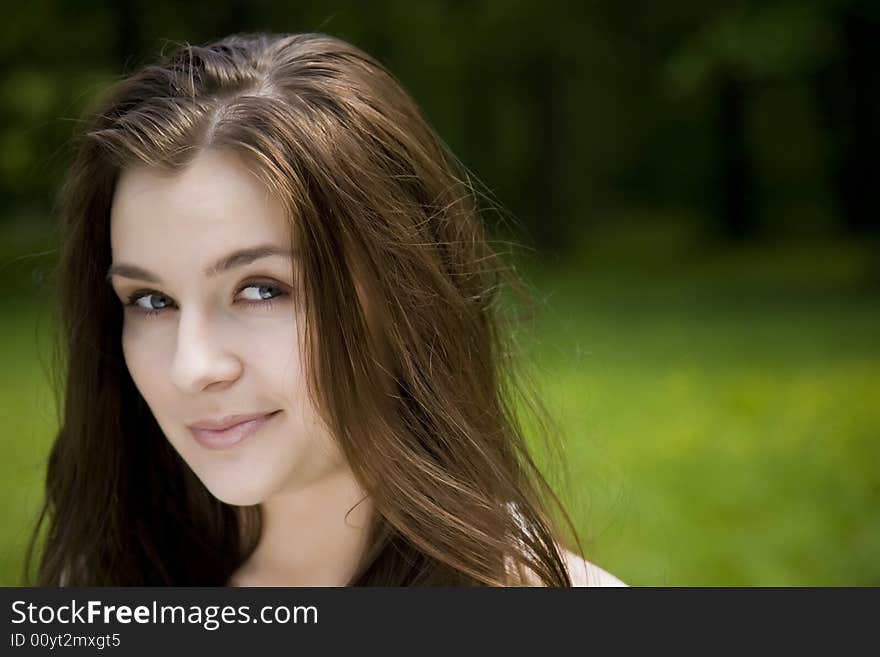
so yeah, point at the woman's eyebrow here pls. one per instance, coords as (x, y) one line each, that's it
(232, 260)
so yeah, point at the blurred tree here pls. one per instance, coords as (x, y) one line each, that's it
(128, 32)
(555, 106)
(849, 94)
(737, 47)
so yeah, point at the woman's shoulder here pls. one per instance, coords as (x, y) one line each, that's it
(584, 573)
(580, 571)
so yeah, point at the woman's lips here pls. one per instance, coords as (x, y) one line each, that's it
(231, 436)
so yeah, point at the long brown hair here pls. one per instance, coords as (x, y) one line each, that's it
(419, 389)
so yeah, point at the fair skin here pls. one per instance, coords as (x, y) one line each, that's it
(225, 344)
(202, 345)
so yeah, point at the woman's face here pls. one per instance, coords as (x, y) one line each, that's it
(212, 331)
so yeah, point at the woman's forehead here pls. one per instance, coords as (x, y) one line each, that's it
(217, 195)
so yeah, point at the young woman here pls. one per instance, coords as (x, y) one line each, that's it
(285, 361)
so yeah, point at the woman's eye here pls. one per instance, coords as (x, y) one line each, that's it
(261, 292)
(147, 301)
(258, 294)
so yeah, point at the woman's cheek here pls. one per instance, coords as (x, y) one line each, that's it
(145, 359)
(272, 349)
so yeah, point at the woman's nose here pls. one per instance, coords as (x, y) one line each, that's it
(202, 358)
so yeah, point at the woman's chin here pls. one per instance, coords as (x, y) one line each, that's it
(236, 496)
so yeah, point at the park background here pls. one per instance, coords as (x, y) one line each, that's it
(696, 190)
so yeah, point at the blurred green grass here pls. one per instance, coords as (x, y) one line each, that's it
(28, 411)
(720, 413)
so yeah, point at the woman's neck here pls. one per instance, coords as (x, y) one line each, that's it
(309, 538)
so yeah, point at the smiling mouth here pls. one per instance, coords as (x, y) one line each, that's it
(233, 435)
